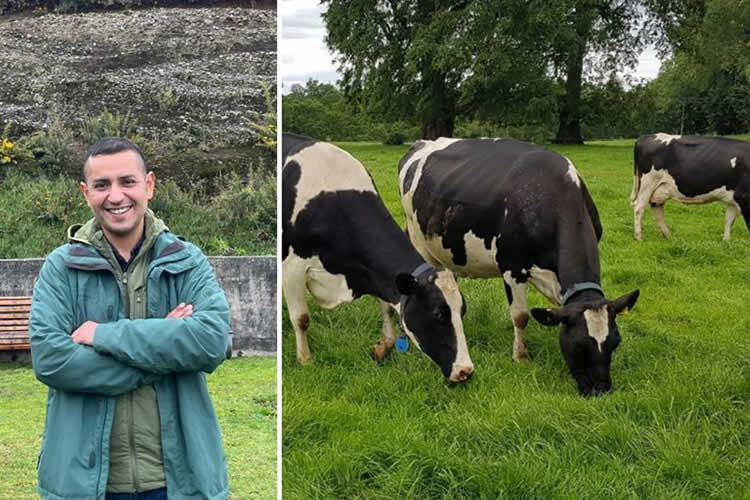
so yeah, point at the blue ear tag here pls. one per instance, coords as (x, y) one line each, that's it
(402, 343)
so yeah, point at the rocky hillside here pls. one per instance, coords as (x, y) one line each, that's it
(190, 74)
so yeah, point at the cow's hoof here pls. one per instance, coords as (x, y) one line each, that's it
(522, 357)
(304, 360)
(379, 352)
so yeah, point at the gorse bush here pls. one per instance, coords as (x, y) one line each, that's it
(57, 202)
(10, 152)
(253, 201)
(107, 124)
(55, 152)
(263, 125)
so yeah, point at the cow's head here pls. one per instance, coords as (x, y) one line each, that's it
(432, 310)
(588, 338)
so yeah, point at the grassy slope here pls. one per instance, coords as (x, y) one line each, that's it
(677, 425)
(244, 394)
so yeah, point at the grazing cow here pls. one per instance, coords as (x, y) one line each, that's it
(340, 242)
(500, 207)
(690, 169)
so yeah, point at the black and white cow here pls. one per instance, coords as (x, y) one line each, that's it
(690, 169)
(500, 207)
(340, 242)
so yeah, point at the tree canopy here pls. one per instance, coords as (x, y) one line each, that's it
(533, 66)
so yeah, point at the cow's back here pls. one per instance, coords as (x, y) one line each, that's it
(697, 164)
(468, 197)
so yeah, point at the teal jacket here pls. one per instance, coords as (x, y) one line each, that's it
(77, 284)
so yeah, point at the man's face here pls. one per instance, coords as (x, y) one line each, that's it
(118, 189)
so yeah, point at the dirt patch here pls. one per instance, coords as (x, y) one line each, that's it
(190, 73)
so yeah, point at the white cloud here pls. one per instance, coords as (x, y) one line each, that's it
(304, 54)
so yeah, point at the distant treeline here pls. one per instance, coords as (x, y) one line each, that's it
(69, 6)
(608, 110)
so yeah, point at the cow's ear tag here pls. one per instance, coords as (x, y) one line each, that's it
(402, 343)
(625, 311)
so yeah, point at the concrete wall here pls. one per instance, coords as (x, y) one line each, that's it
(248, 282)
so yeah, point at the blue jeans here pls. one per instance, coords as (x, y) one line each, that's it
(158, 494)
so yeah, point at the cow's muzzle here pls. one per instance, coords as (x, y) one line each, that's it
(461, 373)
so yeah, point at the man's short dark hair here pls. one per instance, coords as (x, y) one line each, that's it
(110, 146)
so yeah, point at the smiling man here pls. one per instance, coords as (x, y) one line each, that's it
(125, 318)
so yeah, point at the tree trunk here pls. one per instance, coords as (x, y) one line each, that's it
(570, 109)
(440, 115)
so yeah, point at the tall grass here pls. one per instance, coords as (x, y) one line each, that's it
(244, 395)
(676, 426)
(239, 220)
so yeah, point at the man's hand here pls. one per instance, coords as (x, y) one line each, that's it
(84, 334)
(181, 311)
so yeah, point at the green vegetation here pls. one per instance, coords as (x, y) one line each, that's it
(239, 220)
(244, 394)
(533, 70)
(676, 426)
(223, 199)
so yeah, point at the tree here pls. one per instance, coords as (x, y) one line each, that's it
(390, 60)
(707, 77)
(595, 37)
(437, 59)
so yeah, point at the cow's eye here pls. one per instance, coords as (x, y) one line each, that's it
(443, 313)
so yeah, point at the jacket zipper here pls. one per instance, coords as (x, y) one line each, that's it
(131, 399)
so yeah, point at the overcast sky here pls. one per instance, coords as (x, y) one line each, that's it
(304, 54)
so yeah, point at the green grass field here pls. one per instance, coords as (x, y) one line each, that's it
(244, 394)
(676, 426)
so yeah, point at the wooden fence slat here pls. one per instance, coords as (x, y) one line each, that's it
(14, 309)
(15, 347)
(14, 328)
(14, 315)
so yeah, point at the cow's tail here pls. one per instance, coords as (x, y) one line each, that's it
(636, 187)
(636, 177)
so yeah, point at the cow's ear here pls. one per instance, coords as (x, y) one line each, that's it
(406, 284)
(549, 317)
(625, 303)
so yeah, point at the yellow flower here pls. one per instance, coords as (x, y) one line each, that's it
(6, 159)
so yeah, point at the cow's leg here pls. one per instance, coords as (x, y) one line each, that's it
(293, 285)
(639, 206)
(658, 211)
(731, 213)
(519, 314)
(385, 345)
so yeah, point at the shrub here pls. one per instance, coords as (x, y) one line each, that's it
(166, 98)
(10, 152)
(106, 124)
(252, 203)
(263, 125)
(57, 201)
(54, 151)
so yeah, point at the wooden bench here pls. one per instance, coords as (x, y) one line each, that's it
(14, 323)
